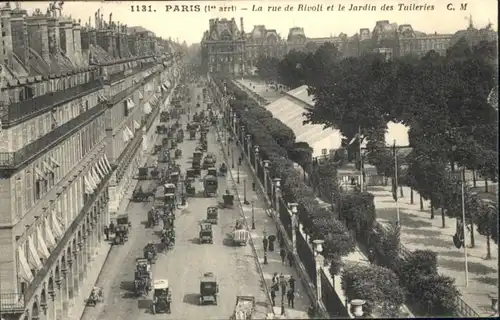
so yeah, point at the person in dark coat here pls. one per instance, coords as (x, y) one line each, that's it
(271, 243)
(291, 296)
(290, 258)
(282, 255)
(106, 232)
(273, 296)
(291, 283)
(282, 284)
(265, 243)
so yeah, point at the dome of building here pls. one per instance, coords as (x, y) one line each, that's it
(473, 36)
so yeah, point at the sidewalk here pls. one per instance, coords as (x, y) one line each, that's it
(419, 232)
(98, 261)
(263, 221)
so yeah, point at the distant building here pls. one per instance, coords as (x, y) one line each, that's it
(389, 39)
(77, 106)
(225, 49)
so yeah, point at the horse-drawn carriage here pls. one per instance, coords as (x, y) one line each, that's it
(228, 199)
(142, 277)
(178, 153)
(164, 156)
(169, 199)
(206, 234)
(169, 188)
(168, 237)
(239, 235)
(192, 133)
(223, 169)
(161, 129)
(139, 195)
(122, 229)
(212, 172)
(153, 218)
(150, 253)
(162, 297)
(212, 215)
(209, 288)
(96, 296)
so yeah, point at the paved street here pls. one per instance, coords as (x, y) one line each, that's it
(235, 267)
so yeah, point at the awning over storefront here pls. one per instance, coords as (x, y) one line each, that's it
(56, 225)
(43, 251)
(94, 175)
(164, 87)
(88, 186)
(153, 100)
(49, 236)
(130, 104)
(125, 136)
(147, 108)
(137, 126)
(92, 181)
(40, 175)
(47, 167)
(103, 166)
(33, 257)
(99, 170)
(24, 267)
(129, 132)
(106, 162)
(102, 98)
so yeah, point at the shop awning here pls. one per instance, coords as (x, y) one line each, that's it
(164, 87)
(24, 267)
(47, 167)
(153, 100)
(147, 108)
(103, 166)
(125, 136)
(43, 251)
(56, 225)
(88, 187)
(92, 181)
(99, 170)
(95, 176)
(40, 175)
(106, 162)
(130, 104)
(140, 95)
(49, 236)
(55, 164)
(33, 257)
(102, 98)
(129, 132)
(137, 126)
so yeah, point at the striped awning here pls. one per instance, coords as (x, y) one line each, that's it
(43, 251)
(33, 257)
(137, 126)
(88, 186)
(130, 104)
(147, 108)
(24, 267)
(56, 225)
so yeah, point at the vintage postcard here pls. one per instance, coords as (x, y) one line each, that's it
(248, 159)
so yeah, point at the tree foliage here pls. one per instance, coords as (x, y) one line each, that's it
(267, 67)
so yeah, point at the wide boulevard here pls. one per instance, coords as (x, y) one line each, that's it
(235, 267)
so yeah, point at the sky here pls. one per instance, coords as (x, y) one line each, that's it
(442, 16)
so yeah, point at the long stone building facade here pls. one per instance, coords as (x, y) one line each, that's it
(78, 105)
(389, 39)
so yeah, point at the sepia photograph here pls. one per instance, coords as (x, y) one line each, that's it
(248, 160)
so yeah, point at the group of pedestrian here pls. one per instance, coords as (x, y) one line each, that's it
(279, 282)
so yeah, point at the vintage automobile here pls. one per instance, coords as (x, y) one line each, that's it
(192, 133)
(139, 195)
(164, 156)
(96, 296)
(239, 237)
(210, 185)
(143, 173)
(150, 253)
(212, 172)
(212, 215)
(174, 177)
(170, 200)
(197, 154)
(228, 200)
(196, 166)
(178, 153)
(190, 174)
(162, 297)
(170, 188)
(206, 233)
(208, 288)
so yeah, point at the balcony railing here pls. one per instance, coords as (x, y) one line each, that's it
(28, 152)
(12, 302)
(26, 109)
(126, 73)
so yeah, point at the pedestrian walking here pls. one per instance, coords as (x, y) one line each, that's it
(291, 296)
(265, 243)
(282, 284)
(275, 278)
(290, 258)
(282, 255)
(291, 283)
(106, 232)
(273, 296)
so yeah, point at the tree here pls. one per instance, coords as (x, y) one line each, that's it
(436, 294)
(323, 59)
(267, 67)
(487, 223)
(293, 69)
(378, 286)
(338, 239)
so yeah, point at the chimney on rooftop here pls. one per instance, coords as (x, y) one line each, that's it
(54, 35)
(77, 39)
(67, 40)
(38, 36)
(7, 39)
(242, 26)
(19, 28)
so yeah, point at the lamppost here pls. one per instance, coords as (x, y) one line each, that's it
(253, 216)
(234, 122)
(238, 174)
(245, 201)
(249, 138)
(318, 248)
(256, 159)
(264, 235)
(277, 189)
(242, 133)
(232, 159)
(293, 207)
(265, 165)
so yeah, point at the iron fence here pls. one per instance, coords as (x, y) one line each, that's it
(331, 300)
(285, 218)
(306, 256)
(12, 303)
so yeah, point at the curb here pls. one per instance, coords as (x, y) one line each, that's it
(254, 250)
(304, 277)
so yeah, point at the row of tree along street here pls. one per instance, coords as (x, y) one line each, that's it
(443, 100)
